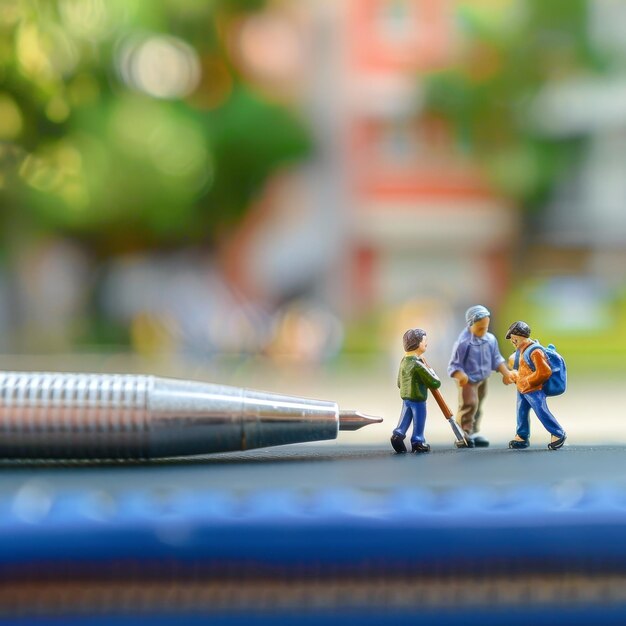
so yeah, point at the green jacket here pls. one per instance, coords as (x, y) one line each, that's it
(414, 379)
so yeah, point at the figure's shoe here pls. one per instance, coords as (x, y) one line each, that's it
(397, 443)
(480, 441)
(470, 441)
(420, 447)
(555, 445)
(515, 444)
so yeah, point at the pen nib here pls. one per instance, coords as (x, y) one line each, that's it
(353, 420)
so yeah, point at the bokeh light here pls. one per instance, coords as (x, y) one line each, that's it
(160, 66)
(45, 51)
(57, 109)
(11, 121)
(173, 144)
(89, 19)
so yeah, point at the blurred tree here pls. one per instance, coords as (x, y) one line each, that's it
(126, 125)
(511, 50)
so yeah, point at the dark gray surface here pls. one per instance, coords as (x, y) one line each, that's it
(310, 467)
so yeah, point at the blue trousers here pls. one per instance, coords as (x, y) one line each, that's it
(412, 412)
(535, 400)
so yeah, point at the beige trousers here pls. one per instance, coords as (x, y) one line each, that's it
(471, 398)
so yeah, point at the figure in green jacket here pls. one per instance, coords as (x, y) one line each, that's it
(414, 380)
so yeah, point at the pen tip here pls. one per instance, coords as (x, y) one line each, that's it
(353, 420)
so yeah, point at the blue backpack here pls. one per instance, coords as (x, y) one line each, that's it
(557, 383)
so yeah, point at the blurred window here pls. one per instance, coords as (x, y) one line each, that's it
(395, 20)
(397, 144)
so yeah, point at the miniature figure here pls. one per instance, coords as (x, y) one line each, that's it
(414, 380)
(535, 378)
(474, 356)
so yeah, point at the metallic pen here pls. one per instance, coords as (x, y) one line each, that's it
(50, 415)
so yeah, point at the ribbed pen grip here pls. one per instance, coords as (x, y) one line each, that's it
(58, 415)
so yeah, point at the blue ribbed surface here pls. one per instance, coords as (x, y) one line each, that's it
(334, 526)
(606, 616)
(523, 531)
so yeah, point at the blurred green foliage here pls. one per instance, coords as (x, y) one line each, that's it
(511, 50)
(586, 323)
(95, 143)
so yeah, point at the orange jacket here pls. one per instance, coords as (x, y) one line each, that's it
(527, 380)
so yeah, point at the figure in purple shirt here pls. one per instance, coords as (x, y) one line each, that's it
(474, 356)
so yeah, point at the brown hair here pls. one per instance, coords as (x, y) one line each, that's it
(412, 338)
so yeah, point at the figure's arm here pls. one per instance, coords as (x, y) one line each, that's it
(455, 367)
(507, 375)
(461, 377)
(542, 369)
(511, 361)
(498, 364)
(428, 376)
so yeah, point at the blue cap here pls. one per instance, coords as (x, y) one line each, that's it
(475, 313)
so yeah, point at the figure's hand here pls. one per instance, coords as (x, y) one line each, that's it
(507, 379)
(514, 374)
(461, 377)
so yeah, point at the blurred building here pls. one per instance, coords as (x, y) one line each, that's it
(392, 217)
(425, 223)
(389, 210)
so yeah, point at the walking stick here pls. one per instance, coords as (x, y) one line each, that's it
(461, 441)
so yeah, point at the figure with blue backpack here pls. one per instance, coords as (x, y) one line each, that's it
(538, 372)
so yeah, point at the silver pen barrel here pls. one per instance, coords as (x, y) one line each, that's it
(46, 415)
